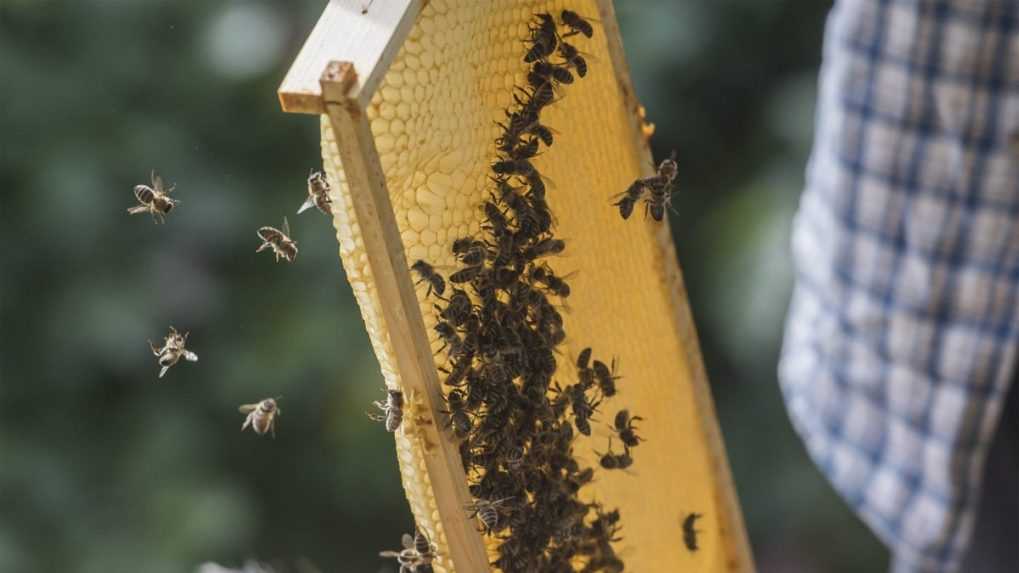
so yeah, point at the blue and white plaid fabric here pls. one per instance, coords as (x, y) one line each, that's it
(901, 338)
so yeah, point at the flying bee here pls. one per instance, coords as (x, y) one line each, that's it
(689, 531)
(459, 420)
(411, 558)
(422, 545)
(487, 513)
(612, 461)
(154, 199)
(428, 275)
(576, 23)
(262, 416)
(626, 430)
(392, 410)
(605, 377)
(279, 241)
(318, 193)
(172, 351)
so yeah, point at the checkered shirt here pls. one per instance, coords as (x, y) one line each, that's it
(901, 337)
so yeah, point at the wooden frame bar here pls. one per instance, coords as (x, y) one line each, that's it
(402, 317)
(366, 36)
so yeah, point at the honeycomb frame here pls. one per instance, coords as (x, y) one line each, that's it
(453, 63)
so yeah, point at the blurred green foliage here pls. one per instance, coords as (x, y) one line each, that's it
(104, 469)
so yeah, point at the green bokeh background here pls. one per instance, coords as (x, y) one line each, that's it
(105, 469)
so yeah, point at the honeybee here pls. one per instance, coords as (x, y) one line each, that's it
(279, 241)
(659, 189)
(576, 23)
(624, 427)
(613, 461)
(172, 351)
(392, 410)
(487, 513)
(262, 416)
(629, 198)
(417, 553)
(155, 199)
(543, 38)
(459, 419)
(318, 193)
(573, 58)
(690, 531)
(436, 284)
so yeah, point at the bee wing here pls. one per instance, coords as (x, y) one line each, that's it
(247, 408)
(308, 204)
(163, 371)
(158, 184)
(286, 227)
(407, 541)
(268, 233)
(190, 356)
(395, 554)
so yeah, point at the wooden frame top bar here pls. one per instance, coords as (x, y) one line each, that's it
(366, 35)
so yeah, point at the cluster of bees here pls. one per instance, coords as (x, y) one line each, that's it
(155, 200)
(499, 324)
